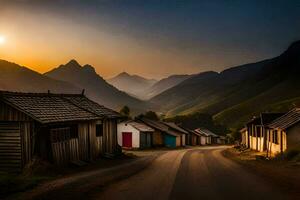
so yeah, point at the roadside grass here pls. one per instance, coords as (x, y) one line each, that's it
(39, 172)
(14, 183)
(283, 173)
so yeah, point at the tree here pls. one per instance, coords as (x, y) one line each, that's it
(151, 115)
(125, 111)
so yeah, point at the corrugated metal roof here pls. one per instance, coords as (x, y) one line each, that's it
(175, 127)
(139, 126)
(206, 132)
(287, 120)
(159, 126)
(50, 108)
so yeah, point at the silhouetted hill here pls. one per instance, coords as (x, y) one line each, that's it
(132, 84)
(164, 84)
(238, 93)
(14, 77)
(96, 87)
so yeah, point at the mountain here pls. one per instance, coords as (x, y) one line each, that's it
(95, 86)
(164, 84)
(132, 84)
(236, 94)
(14, 77)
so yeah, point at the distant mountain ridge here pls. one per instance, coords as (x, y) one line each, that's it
(132, 84)
(236, 94)
(14, 77)
(95, 86)
(164, 84)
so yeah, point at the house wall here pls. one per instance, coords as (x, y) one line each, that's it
(123, 127)
(203, 140)
(293, 137)
(110, 140)
(208, 140)
(273, 148)
(16, 138)
(183, 140)
(178, 141)
(158, 139)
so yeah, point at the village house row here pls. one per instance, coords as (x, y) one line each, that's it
(273, 133)
(70, 128)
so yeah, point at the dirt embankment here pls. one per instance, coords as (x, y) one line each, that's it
(280, 173)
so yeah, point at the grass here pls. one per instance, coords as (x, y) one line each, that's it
(13, 183)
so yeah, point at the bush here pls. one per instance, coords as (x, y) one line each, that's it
(290, 154)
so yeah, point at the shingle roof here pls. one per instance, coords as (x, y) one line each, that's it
(287, 120)
(159, 126)
(175, 127)
(265, 118)
(91, 106)
(50, 108)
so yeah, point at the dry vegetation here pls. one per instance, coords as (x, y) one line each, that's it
(281, 173)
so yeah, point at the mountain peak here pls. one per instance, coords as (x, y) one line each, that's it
(89, 68)
(73, 63)
(294, 48)
(124, 74)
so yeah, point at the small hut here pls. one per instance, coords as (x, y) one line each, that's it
(132, 134)
(60, 128)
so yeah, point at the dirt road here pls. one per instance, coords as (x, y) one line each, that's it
(196, 173)
(201, 173)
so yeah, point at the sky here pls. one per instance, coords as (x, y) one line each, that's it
(151, 38)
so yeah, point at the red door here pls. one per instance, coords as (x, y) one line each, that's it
(127, 139)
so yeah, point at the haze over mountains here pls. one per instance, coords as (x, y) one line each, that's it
(232, 96)
(143, 88)
(236, 94)
(96, 87)
(132, 84)
(18, 78)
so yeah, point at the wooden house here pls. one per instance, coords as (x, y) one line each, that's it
(206, 136)
(284, 133)
(244, 137)
(174, 127)
(132, 134)
(192, 138)
(60, 128)
(163, 135)
(257, 128)
(221, 140)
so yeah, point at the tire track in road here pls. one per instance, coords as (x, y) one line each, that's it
(155, 182)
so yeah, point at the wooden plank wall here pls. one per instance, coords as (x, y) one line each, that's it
(10, 146)
(83, 145)
(8, 113)
(110, 144)
(26, 130)
(99, 145)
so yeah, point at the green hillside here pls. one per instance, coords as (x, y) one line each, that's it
(235, 95)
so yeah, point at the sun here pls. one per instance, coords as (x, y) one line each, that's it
(2, 39)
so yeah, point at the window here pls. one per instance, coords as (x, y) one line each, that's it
(74, 131)
(60, 134)
(258, 131)
(99, 130)
(275, 136)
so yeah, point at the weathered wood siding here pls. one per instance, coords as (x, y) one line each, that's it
(8, 113)
(157, 138)
(110, 143)
(83, 141)
(10, 146)
(16, 138)
(99, 145)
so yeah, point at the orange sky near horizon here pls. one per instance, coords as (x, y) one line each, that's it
(42, 38)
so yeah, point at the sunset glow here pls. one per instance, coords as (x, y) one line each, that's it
(2, 39)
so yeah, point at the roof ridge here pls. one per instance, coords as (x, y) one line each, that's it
(69, 101)
(5, 92)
